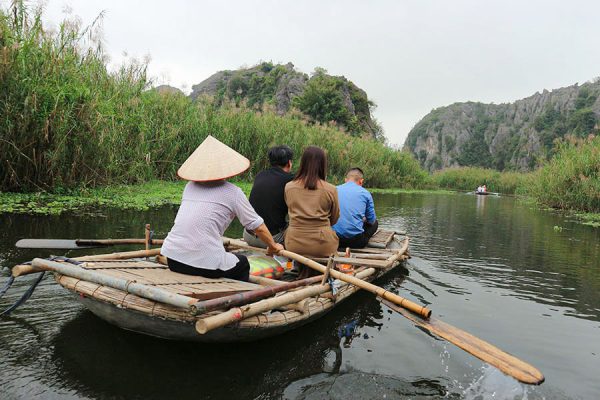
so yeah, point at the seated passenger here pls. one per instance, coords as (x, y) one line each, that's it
(267, 195)
(357, 221)
(209, 204)
(313, 208)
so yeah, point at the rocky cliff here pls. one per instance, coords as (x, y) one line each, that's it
(322, 97)
(514, 136)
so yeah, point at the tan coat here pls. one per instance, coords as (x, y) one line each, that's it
(312, 213)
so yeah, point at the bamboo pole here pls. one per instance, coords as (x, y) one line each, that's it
(251, 295)
(107, 242)
(381, 264)
(25, 269)
(379, 291)
(236, 314)
(207, 324)
(138, 289)
(147, 237)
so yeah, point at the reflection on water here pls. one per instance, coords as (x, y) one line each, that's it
(487, 264)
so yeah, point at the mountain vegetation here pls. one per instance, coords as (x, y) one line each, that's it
(518, 136)
(321, 97)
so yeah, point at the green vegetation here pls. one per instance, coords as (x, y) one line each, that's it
(475, 151)
(68, 123)
(571, 179)
(469, 178)
(553, 124)
(591, 219)
(136, 197)
(323, 99)
(256, 86)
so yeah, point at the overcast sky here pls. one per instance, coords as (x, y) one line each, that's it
(409, 56)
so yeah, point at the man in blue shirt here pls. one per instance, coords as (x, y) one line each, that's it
(357, 221)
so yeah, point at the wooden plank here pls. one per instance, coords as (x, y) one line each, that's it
(355, 261)
(125, 264)
(371, 250)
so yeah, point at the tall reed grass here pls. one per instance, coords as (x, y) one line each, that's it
(571, 179)
(469, 178)
(66, 121)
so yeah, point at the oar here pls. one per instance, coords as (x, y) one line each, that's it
(481, 349)
(486, 352)
(379, 291)
(74, 244)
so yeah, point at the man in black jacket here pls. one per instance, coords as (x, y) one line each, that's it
(267, 195)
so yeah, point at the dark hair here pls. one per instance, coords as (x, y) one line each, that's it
(313, 166)
(280, 155)
(356, 170)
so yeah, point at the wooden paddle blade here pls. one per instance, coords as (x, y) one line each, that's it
(65, 244)
(485, 351)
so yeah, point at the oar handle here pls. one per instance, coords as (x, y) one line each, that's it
(108, 242)
(379, 291)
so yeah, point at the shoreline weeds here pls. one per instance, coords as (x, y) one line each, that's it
(154, 194)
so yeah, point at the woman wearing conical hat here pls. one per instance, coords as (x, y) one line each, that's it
(209, 204)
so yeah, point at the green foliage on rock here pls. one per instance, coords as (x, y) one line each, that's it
(329, 98)
(255, 86)
(512, 136)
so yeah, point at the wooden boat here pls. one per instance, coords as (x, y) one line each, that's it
(140, 314)
(482, 193)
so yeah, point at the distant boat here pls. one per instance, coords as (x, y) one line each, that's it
(482, 193)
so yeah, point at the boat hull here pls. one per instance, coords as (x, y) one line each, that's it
(164, 328)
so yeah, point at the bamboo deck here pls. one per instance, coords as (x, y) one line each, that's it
(152, 273)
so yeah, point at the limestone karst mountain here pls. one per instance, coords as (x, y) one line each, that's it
(515, 136)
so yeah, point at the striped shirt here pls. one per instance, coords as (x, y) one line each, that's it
(206, 211)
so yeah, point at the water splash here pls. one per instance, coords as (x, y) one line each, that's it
(493, 384)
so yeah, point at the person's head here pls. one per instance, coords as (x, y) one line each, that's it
(313, 167)
(355, 175)
(281, 156)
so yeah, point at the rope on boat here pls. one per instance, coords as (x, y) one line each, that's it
(8, 284)
(31, 289)
(25, 296)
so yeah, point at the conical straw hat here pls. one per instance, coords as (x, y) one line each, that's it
(211, 161)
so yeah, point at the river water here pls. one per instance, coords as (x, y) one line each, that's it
(523, 279)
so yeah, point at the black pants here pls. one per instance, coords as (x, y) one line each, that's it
(241, 270)
(361, 240)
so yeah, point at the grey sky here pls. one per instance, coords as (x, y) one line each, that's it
(409, 56)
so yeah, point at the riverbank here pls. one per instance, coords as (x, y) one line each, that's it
(155, 194)
(138, 197)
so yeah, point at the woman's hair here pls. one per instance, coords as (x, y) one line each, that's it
(313, 167)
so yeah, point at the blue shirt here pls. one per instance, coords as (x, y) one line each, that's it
(356, 203)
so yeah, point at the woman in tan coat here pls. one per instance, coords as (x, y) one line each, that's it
(313, 208)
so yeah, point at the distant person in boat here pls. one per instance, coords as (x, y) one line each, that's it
(208, 205)
(358, 221)
(313, 208)
(267, 195)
